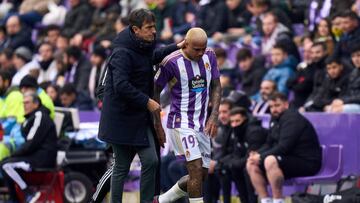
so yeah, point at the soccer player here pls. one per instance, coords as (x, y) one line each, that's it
(193, 79)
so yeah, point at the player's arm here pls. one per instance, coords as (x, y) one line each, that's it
(215, 96)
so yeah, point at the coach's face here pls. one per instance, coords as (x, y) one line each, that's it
(147, 32)
(277, 107)
(195, 49)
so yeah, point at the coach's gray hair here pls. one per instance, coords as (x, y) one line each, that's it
(34, 97)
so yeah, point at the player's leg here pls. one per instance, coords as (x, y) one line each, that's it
(274, 175)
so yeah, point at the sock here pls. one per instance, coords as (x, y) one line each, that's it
(172, 195)
(196, 200)
(279, 201)
(266, 200)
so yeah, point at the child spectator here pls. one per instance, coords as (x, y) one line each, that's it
(283, 68)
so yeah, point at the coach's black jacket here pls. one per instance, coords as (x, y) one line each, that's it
(40, 147)
(292, 135)
(129, 85)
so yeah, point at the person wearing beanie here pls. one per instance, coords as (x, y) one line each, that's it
(29, 84)
(23, 63)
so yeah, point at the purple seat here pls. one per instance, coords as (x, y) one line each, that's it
(331, 169)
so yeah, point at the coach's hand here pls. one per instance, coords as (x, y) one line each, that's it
(153, 106)
(211, 127)
(160, 133)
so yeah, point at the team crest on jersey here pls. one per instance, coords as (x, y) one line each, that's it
(197, 84)
(207, 66)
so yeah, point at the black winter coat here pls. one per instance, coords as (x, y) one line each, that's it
(352, 93)
(292, 135)
(40, 147)
(128, 87)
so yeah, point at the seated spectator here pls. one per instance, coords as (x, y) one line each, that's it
(79, 68)
(62, 43)
(336, 26)
(48, 67)
(163, 12)
(41, 144)
(334, 84)
(183, 18)
(11, 99)
(261, 107)
(223, 63)
(53, 91)
(98, 61)
(77, 18)
(349, 100)
(323, 34)
(52, 34)
(292, 150)
(212, 18)
(70, 98)
(2, 37)
(277, 33)
(29, 84)
(32, 11)
(252, 71)
(302, 83)
(102, 24)
(351, 29)
(283, 68)
(217, 179)
(226, 84)
(246, 135)
(18, 35)
(24, 65)
(6, 62)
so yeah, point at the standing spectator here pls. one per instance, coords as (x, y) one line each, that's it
(127, 104)
(78, 69)
(41, 144)
(183, 18)
(334, 84)
(283, 68)
(252, 71)
(97, 60)
(163, 12)
(54, 93)
(18, 35)
(349, 100)
(292, 150)
(62, 43)
(267, 88)
(351, 28)
(77, 18)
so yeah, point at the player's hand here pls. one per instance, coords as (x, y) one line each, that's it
(153, 106)
(211, 127)
(160, 134)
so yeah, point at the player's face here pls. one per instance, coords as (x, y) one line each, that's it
(195, 50)
(277, 107)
